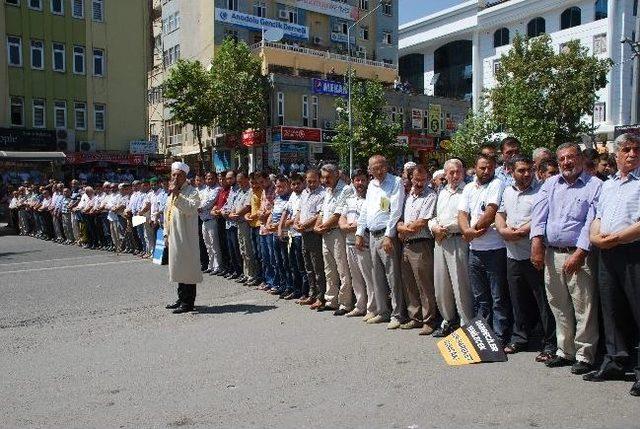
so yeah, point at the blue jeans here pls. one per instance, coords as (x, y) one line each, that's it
(235, 259)
(267, 255)
(255, 241)
(488, 277)
(283, 280)
(296, 262)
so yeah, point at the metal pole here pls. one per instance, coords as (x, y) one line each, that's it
(636, 77)
(349, 103)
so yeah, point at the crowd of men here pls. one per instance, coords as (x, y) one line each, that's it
(543, 248)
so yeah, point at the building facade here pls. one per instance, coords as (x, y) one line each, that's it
(74, 72)
(455, 53)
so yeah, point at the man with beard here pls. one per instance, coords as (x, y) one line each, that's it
(563, 210)
(509, 147)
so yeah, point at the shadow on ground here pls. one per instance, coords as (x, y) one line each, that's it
(234, 308)
(6, 254)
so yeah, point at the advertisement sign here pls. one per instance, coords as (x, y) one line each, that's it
(252, 138)
(117, 158)
(631, 129)
(143, 147)
(416, 119)
(329, 87)
(435, 111)
(258, 23)
(301, 134)
(221, 160)
(341, 38)
(328, 135)
(472, 343)
(34, 140)
(421, 142)
(330, 7)
(158, 251)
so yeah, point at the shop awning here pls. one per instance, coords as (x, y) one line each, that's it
(33, 156)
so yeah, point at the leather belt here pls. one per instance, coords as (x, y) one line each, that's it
(563, 249)
(379, 233)
(416, 240)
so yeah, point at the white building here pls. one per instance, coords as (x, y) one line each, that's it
(453, 53)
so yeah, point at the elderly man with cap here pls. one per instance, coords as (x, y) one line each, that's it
(181, 233)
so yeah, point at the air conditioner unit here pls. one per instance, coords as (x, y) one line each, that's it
(86, 146)
(317, 40)
(65, 140)
(283, 14)
(337, 28)
(328, 125)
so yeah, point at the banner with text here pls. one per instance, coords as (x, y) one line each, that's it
(330, 7)
(472, 343)
(329, 87)
(258, 23)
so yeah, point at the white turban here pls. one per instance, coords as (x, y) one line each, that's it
(410, 165)
(438, 173)
(180, 166)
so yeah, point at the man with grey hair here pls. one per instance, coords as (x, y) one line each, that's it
(562, 213)
(616, 231)
(451, 254)
(539, 155)
(339, 292)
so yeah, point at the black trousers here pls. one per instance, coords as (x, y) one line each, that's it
(187, 294)
(619, 281)
(204, 256)
(225, 263)
(526, 287)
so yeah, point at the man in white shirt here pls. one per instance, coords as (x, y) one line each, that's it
(487, 257)
(451, 254)
(208, 194)
(379, 216)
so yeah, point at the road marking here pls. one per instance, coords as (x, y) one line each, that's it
(32, 270)
(47, 260)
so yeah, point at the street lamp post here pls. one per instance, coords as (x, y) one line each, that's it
(349, 28)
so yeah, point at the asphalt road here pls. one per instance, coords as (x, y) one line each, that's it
(85, 342)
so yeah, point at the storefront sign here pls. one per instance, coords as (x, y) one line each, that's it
(472, 343)
(329, 87)
(341, 38)
(258, 23)
(301, 134)
(143, 147)
(328, 135)
(421, 142)
(329, 7)
(416, 119)
(252, 138)
(451, 124)
(31, 140)
(116, 158)
(631, 129)
(435, 111)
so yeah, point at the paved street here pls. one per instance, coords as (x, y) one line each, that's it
(85, 342)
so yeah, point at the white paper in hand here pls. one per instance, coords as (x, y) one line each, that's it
(138, 220)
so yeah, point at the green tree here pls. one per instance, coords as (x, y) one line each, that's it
(478, 128)
(240, 91)
(373, 131)
(188, 91)
(541, 97)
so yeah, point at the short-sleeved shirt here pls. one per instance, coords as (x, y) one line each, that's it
(619, 203)
(311, 203)
(332, 199)
(517, 206)
(279, 207)
(255, 208)
(475, 200)
(420, 207)
(293, 205)
(266, 205)
(350, 209)
(242, 200)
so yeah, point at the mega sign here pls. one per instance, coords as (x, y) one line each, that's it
(329, 87)
(329, 7)
(301, 134)
(258, 23)
(19, 139)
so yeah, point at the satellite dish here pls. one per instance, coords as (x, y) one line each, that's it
(273, 35)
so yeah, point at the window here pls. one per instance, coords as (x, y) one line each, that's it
(80, 115)
(364, 4)
(58, 57)
(78, 59)
(174, 132)
(98, 62)
(14, 51)
(38, 113)
(232, 4)
(344, 27)
(599, 44)
(501, 37)
(260, 9)
(13, 2)
(386, 9)
(99, 116)
(601, 9)
(35, 4)
(535, 27)
(280, 108)
(98, 10)
(386, 38)
(599, 112)
(17, 111)
(364, 33)
(60, 114)
(314, 111)
(57, 7)
(78, 9)
(171, 55)
(171, 23)
(293, 16)
(305, 110)
(37, 54)
(570, 18)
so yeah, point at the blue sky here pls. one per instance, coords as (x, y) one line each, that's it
(414, 9)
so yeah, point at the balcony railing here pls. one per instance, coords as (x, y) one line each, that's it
(321, 54)
(490, 3)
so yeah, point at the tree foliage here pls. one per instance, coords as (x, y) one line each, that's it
(373, 131)
(478, 128)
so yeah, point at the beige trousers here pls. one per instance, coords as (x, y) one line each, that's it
(336, 270)
(574, 303)
(361, 279)
(451, 279)
(417, 279)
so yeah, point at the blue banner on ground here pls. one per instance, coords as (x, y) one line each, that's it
(159, 249)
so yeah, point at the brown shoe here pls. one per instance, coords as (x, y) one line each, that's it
(307, 301)
(426, 330)
(317, 304)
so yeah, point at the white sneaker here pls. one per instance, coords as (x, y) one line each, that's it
(368, 316)
(377, 319)
(355, 313)
(394, 324)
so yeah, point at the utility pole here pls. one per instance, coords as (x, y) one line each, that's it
(635, 48)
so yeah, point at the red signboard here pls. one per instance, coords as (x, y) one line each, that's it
(252, 138)
(300, 134)
(117, 158)
(421, 142)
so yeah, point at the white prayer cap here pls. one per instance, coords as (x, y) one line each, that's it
(106, 184)
(409, 165)
(438, 173)
(180, 166)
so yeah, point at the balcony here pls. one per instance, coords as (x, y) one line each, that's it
(300, 58)
(485, 4)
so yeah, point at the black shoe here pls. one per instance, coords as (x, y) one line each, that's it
(635, 389)
(206, 271)
(173, 306)
(513, 348)
(215, 273)
(580, 368)
(340, 312)
(183, 309)
(604, 375)
(234, 276)
(443, 332)
(228, 275)
(558, 361)
(242, 279)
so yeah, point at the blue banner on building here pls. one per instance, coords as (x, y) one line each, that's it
(258, 23)
(329, 87)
